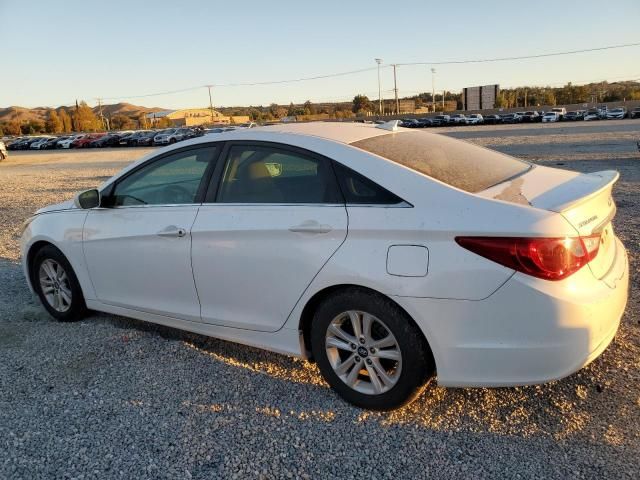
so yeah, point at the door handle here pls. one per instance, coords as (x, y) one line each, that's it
(310, 226)
(172, 231)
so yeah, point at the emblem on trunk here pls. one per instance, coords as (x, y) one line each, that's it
(587, 221)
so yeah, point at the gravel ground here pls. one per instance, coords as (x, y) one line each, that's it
(111, 397)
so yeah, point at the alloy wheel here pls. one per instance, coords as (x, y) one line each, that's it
(55, 285)
(363, 352)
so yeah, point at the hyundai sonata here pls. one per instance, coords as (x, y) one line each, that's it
(386, 255)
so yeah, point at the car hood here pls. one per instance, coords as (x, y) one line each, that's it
(67, 205)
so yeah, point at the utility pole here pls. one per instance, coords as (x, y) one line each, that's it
(379, 61)
(443, 92)
(395, 89)
(101, 115)
(210, 102)
(433, 89)
(77, 120)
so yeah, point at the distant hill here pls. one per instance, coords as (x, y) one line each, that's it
(23, 114)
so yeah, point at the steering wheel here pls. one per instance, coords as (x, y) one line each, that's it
(179, 194)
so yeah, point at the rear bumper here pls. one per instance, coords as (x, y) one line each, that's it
(529, 331)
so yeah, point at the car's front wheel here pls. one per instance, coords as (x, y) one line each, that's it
(57, 286)
(369, 350)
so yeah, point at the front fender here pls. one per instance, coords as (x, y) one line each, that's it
(64, 230)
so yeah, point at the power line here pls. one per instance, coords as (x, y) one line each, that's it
(246, 84)
(523, 57)
(295, 80)
(361, 70)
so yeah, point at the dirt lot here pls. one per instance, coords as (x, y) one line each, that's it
(115, 398)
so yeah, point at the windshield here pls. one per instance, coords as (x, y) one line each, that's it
(454, 162)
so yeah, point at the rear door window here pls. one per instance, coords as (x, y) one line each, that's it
(268, 174)
(359, 190)
(454, 162)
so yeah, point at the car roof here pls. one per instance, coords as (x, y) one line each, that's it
(346, 132)
(340, 132)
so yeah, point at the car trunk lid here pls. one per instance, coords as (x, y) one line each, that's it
(584, 200)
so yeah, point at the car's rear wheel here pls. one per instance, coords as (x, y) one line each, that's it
(57, 286)
(369, 350)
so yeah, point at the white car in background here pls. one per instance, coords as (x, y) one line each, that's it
(170, 136)
(39, 143)
(458, 119)
(561, 111)
(366, 248)
(594, 114)
(66, 143)
(550, 117)
(617, 113)
(474, 119)
(216, 130)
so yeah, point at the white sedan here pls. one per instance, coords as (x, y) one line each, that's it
(474, 119)
(67, 141)
(37, 145)
(386, 255)
(550, 117)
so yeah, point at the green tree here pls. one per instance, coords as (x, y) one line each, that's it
(53, 123)
(276, 111)
(84, 119)
(32, 127)
(163, 122)
(309, 108)
(65, 119)
(501, 102)
(12, 128)
(361, 104)
(549, 97)
(143, 121)
(122, 122)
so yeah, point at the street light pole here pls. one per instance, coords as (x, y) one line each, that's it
(379, 61)
(433, 89)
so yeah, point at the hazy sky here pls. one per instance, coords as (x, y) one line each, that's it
(54, 52)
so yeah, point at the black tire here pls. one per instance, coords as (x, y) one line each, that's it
(77, 309)
(417, 361)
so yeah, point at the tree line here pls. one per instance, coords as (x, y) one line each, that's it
(568, 94)
(80, 118)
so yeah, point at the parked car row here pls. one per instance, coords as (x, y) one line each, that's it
(101, 140)
(556, 114)
(138, 138)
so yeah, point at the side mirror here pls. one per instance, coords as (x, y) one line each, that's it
(87, 199)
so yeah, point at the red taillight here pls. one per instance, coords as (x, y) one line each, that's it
(548, 258)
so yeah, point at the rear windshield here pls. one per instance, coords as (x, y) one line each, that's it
(454, 162)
